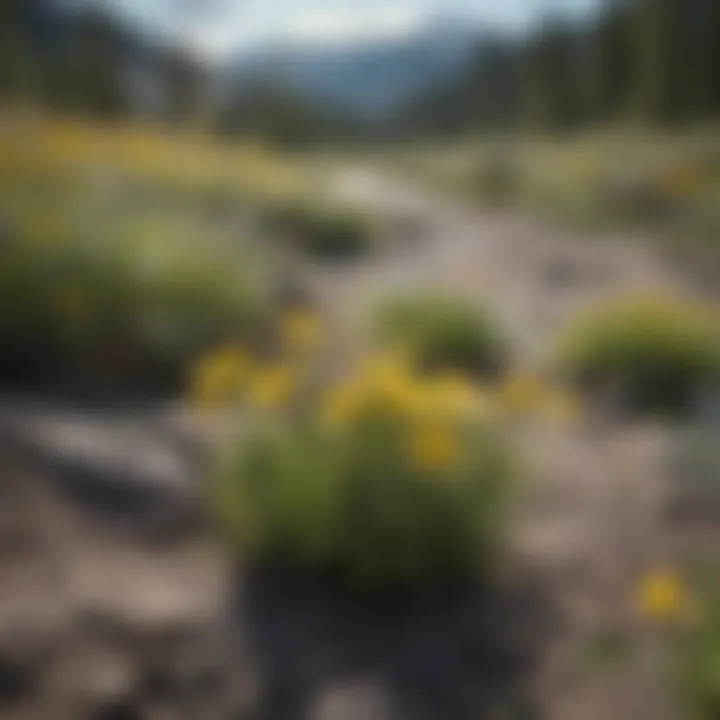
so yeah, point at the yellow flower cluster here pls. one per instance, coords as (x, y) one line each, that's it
(432, 407)
(390, 384)
(436, 407)
(227, 373)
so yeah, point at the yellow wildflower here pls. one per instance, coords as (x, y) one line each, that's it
(433, 447)
(453, 396)
(300, 330)
(379, 369)
(661, 595)
(388, 382)
(219, 376)
(272, 387)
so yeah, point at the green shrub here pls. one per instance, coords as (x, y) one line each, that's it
(377, 498)
(321, 230)
(657, 352)
(120, 310)
(443, 333)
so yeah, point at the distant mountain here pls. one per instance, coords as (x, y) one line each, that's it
(370, 77)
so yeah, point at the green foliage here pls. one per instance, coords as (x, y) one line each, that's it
(126, 309)
(653, 61)
(321, 230)
(698, 664)
(349, 503)
(657, 351)
(443, 333)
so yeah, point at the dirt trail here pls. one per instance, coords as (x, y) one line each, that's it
(530, 274)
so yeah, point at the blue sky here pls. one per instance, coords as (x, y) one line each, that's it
(220, 27)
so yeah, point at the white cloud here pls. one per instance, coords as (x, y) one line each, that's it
(346, 24)
(322, 24)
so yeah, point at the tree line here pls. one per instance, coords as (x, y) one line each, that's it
(655, 62)
(80, 59)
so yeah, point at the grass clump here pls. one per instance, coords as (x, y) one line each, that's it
(657, 352)
(321, 230)
(443, 333)
(387, 483)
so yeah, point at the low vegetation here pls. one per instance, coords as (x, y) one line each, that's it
(442, 332)
(128, 310)
(320, 229)
(387, 482)
(654, 353)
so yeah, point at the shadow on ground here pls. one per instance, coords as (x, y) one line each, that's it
(319, 655)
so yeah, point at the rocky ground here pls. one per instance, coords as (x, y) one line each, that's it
(116, 603)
